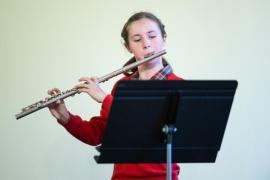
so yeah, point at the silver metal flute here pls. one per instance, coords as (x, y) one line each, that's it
(44, 103)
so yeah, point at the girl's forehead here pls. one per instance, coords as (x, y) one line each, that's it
(143, 25)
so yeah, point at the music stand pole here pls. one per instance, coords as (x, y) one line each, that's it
(169, 130)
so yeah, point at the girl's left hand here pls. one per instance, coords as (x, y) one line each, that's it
(91, 87)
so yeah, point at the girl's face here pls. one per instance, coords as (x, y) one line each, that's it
(144, 38)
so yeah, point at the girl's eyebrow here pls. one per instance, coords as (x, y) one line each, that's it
(149, 32)
(136, 35)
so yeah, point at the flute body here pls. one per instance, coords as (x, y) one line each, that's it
(45, 103)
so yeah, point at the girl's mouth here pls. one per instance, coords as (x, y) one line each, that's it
(149, 54)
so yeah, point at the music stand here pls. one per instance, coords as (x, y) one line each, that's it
(192, 113)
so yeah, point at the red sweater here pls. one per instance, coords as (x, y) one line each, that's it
(91, 132)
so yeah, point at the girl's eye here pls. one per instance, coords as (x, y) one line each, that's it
(152, 37)
(137, 40)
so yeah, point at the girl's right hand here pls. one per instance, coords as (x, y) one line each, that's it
(58, 109)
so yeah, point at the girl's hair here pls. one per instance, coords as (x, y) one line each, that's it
(124, 35)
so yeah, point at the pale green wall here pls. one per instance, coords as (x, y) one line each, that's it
(52, 43)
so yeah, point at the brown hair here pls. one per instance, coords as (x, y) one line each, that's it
(124, 35)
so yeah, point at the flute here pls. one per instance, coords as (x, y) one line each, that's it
(44, 103)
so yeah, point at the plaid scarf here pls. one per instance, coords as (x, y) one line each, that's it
(161, 75)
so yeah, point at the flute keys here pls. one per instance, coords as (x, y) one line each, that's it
(35, 105)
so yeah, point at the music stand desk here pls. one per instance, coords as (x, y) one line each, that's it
(194, 111)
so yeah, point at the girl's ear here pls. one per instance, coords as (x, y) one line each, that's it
(127, 47)
(165, 38)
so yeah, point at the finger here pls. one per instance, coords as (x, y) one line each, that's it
(89, 80)
(85, 90)
(82, 85)
(50, 92)
(54, 91)
(47, 98)
(59, 101)
(94, 79)
(86, 79)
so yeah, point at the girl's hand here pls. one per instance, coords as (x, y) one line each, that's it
(91, 87)
(58, 109)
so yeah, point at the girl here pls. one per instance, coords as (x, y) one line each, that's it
(143, 35)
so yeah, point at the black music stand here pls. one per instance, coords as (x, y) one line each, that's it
(192, 115)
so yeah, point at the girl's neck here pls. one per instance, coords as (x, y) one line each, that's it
(148, 70)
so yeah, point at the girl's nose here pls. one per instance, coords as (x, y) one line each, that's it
(146, 43)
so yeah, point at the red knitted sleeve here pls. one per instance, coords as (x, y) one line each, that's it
(90, 131)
